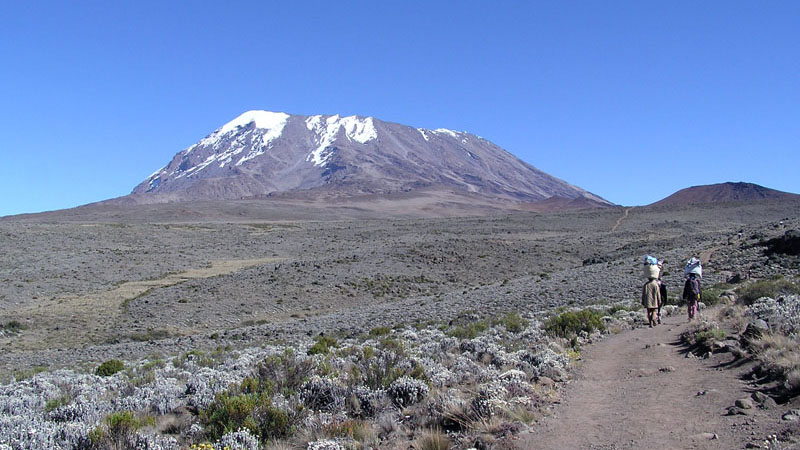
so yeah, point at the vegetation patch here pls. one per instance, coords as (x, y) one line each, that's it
(571, 323)
(12, 327)
(322, 346)
(773, 288)
(109, 368)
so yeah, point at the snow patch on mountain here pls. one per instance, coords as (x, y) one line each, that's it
(450, 133)
(327, 129)
(424, 135)
(271, 123)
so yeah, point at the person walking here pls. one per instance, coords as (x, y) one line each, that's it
(651, 298)
(691, 289)
(692, 294)
(662, 290)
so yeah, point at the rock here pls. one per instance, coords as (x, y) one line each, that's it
(744, 403)
(555, 373)
(707, 355)
(546, 381)
(732, 411)
(667, 369)
(706, 436)
(793, 415)
(735, 278)
(690, 355)
(763, 400)
(754, 331)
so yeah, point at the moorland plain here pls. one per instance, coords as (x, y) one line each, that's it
(86, 291)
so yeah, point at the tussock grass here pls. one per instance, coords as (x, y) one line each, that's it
(780, 356)
(432, 440)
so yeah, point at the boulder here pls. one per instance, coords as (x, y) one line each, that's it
(793, 415)
(754, 331)
(763, 400)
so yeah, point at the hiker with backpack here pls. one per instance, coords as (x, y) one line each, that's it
(692, 293)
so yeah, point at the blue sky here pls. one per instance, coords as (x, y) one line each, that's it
(630, 100)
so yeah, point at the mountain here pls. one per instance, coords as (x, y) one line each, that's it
(262, 153)
(724, 193)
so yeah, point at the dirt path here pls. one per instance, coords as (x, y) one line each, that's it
(637, 390)
(619, 221)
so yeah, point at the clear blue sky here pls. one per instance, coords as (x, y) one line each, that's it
(630, 100)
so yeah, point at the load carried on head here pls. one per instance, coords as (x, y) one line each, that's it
(693, 266)
(651, 267)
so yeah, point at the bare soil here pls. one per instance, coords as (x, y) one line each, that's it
(638, 390)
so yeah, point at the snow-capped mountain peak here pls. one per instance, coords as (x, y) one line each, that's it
(262, 152)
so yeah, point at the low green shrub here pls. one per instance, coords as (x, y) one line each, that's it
(323, 345)
(380, 331)
(58, 402)
(14, 326)
(109, 368)
(767, 288)
(570, 323)
(470, 330)
(253, 411)
(513, 322)
(117, 428)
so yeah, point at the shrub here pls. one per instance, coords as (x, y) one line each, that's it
(287, 372)
(571, 323)
(13, 327)
(117, 430)
(109, 368)
(379, 331)
(323, 345)
(513, 322)
(470, 330)
(253, 412)
(767, 288)
(702, 334)
(710, 296)
(56, 403)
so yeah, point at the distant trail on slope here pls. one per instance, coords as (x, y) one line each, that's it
(636, 390)
(619, 221)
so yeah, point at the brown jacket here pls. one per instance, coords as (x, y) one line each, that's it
(651, 295)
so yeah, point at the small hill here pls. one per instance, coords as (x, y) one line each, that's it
(724, 193)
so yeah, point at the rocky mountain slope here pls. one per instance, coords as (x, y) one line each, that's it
(725, 192)
(266, 153)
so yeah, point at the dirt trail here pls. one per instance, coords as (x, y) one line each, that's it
(619, 221)
(637, 390)
(97, 313)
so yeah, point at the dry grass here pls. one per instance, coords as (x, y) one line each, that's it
(780, 355)
(733, 316)
(278, 445)
(432, 440)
